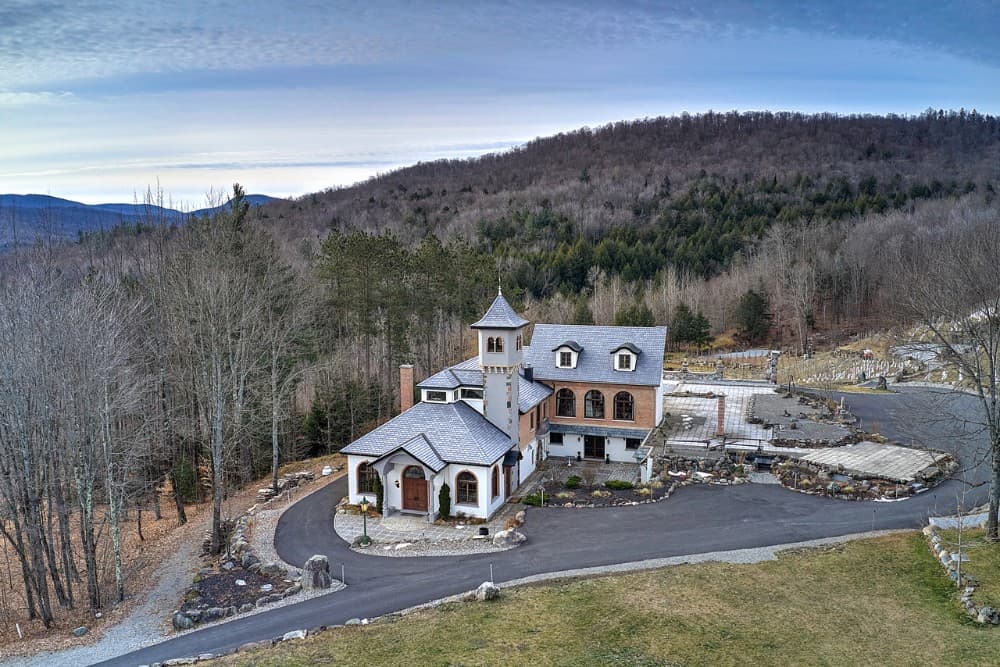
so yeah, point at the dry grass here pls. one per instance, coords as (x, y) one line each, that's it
(883, 601)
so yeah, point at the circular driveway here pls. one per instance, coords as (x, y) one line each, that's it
(696, 519)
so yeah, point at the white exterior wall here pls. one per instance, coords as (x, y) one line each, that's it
(482, 508)
(613, 447)
(659, 403)
(527, 464)
(353, 461)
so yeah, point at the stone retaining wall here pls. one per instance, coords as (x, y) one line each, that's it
(968, 583)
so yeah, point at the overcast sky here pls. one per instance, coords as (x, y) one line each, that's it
(100, 98)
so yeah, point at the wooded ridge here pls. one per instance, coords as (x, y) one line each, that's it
(187, 360)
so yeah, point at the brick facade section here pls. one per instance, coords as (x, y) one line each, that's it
(644, 405)
(405, 387)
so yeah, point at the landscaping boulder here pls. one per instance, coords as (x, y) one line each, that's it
(294, 634)
(182, 621)
(508, 538)
(487, 591)
(988, 615)
(519, 517)
(80, 631)
(316, 573)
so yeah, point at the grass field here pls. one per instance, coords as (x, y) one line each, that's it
(883, 601)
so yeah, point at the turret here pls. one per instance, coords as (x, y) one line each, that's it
(501, 339)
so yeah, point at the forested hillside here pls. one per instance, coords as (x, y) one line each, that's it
(190, 359)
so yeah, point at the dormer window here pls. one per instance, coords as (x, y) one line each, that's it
(567, 354)
(624, 357)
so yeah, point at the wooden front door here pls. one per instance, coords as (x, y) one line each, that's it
(508, 475)
(414, 489)
(593, 446)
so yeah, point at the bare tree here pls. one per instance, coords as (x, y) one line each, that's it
(950, 279)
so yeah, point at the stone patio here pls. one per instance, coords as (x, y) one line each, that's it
(900, 464)
(407, 528)
(595, 473)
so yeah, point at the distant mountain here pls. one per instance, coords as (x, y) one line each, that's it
(38, 216)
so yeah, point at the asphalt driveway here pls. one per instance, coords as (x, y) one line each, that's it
(695, 520)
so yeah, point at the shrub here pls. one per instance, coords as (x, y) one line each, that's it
(379, 495)
(535, 500)
(563, 495)
(444, 501)
(645, 492)
(618, 484)
(600, 493)
(572, 482)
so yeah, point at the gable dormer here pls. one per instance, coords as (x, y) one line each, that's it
(625, 357)
(567, 354)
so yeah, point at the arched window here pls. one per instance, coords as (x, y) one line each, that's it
(366, 478)
(499, 343)
(517, 343)
(496, 481)
(467, 488)
(593, 404)
(624, 406)
(491, 344)
(565, 403)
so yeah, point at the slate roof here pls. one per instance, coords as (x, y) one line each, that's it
(589, 429)
(500, 316)
(468, 374)
(453, 432)
(571, 344)
(594, 361)
(530, 394)
(420, 448)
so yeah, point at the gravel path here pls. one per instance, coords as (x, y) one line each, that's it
(145, 625)
(148, 623)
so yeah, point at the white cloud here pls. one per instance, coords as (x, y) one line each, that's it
(21, 98)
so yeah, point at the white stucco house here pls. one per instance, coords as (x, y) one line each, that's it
(483, 425)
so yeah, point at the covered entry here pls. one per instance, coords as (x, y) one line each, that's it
(414, 489)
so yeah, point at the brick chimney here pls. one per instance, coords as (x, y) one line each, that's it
(405, 387)
(720, 429)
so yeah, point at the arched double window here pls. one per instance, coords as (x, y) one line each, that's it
(565, 403)
(494, 344)
(496, 481)
(624, 406)
(593, 404)
(367, 475)
(467, 488)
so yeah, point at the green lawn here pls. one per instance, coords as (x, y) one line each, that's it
(880, 602)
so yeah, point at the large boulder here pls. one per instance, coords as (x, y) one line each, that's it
(508, 538)
(487, 591)
(316, 573)
(182, 621)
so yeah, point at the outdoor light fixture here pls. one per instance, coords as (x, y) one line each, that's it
(397, 483)
(365, 540)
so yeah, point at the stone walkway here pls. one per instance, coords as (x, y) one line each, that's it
(411, 535)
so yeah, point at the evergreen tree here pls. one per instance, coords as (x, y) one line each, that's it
(635, 315)
(581, 312)
(753, 320)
